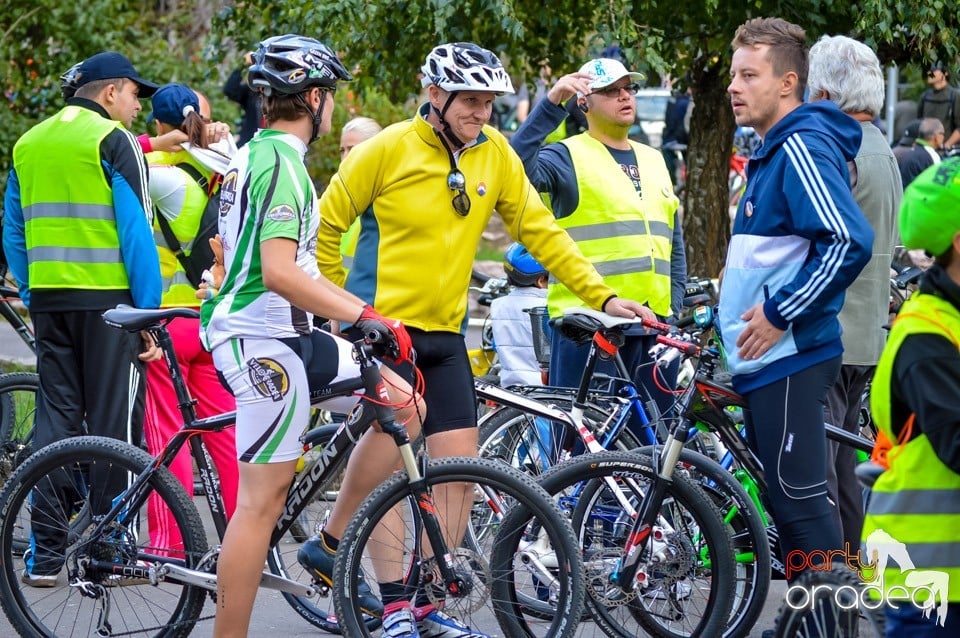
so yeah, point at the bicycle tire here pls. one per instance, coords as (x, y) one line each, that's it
(86, 467)
(18, 392)
(748, 535)
(602, 547)
(517, 437)
(487, 562)
(826, 620)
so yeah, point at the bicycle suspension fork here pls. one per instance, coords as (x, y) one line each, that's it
(375, 387)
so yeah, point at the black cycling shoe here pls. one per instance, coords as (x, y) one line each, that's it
(317, 558)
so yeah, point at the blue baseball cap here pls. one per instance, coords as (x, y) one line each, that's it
(172, 102)
(110, 64)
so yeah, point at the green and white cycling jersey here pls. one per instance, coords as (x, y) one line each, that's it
(266, 193)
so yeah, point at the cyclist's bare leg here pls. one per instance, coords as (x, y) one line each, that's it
(453, 501)
(262, 492)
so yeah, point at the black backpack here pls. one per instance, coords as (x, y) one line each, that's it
(201, 256)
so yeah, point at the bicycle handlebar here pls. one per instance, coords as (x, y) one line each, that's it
(659, 326)
(683, 346)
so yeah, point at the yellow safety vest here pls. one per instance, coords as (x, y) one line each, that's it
(627, 237)
(917, 500)
(69, 221)
(177, 289)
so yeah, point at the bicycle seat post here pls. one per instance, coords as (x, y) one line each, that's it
(185, 402)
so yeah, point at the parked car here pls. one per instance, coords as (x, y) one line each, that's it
(651, 109)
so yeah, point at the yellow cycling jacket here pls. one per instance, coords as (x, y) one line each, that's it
(415, 252)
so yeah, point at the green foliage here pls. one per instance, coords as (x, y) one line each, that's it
(46, 37)
(199, 42)
(386, 42)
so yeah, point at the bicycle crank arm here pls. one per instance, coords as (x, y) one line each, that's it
(196, 578)
(208, 581)
(286, 585)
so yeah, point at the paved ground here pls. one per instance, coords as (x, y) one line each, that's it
(274, 617)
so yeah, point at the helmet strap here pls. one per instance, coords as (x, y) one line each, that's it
(317, 117)
(447, 131)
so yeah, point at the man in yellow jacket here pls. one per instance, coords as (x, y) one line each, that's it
(424, 190)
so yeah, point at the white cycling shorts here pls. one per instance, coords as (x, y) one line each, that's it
(269, 379)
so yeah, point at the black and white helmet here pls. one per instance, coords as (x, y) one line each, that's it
(68, 81)
(291, 64)
(463, 66)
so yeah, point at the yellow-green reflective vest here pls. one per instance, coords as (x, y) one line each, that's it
(69, 221)
(177, 289)
(627, 237)
(916, 501)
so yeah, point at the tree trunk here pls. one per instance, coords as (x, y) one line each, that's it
(706, 219)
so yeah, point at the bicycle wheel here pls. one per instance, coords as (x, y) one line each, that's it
(828, 604)
(748, 534)
(113, 580)
(533, 444)
(531, 546)
(687, 568)
(18, 398)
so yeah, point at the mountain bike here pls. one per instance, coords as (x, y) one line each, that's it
(658, 554)
(538, 428)
(113, 581)
(533, 437)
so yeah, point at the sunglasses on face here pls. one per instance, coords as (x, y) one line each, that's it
(461, 201)
(614, 91)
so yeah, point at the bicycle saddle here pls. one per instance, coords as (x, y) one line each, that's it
(580, 324)
(135, 319)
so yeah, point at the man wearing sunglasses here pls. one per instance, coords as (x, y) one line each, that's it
(942, 101)
(615, 199)
(424, 190)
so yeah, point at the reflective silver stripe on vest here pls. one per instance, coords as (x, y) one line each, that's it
(75, 255)
(915, 502)
(610, 230)
(933, 554)
(179, 279)
(627, 267)
(75, 211)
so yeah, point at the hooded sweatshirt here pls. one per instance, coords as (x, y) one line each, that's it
(799, 239)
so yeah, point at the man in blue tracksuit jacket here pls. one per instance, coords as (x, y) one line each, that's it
(799, 239)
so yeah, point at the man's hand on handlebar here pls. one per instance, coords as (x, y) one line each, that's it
(372, 322)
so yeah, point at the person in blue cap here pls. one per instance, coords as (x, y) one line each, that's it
(78, 240)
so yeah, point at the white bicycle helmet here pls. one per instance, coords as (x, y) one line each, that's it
(463, 66)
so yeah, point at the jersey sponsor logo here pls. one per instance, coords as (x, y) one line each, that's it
(228, 191)
(281, 213)
(268, 377)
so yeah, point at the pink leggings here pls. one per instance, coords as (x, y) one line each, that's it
(163, 419)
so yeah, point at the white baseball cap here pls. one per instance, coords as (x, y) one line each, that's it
(606, 71)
